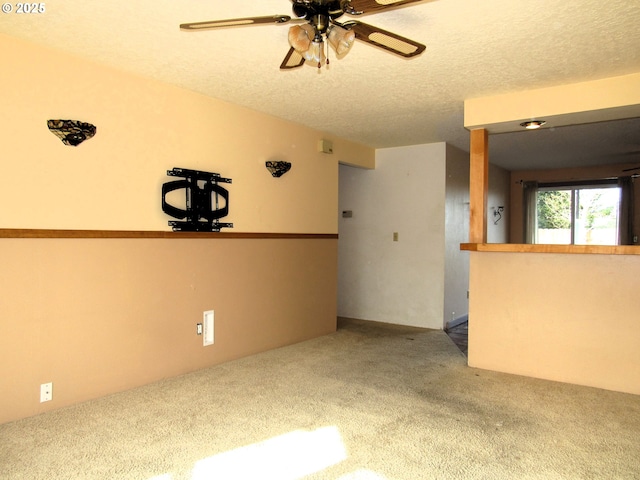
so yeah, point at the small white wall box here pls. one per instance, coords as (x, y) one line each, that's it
(208, 323)
(325, 146)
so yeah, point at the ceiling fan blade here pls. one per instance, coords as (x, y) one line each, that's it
(292, 60)
(235, 22)
(391, 42)
(356, 7)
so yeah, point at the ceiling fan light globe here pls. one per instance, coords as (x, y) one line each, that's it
(299, 38)
(341, 39)
(315, 54)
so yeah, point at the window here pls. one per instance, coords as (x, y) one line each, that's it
(574, 214)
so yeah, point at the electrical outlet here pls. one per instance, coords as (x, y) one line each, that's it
(46, 392)
(208, 326)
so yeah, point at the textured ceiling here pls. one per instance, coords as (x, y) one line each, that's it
(474, 49)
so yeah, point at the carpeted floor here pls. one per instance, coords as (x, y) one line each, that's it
(370, 402)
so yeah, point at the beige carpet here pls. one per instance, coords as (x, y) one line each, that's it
(370, 402)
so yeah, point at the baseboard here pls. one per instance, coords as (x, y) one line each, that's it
(344, 321)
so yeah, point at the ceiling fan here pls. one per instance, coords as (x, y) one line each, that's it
(318, 23)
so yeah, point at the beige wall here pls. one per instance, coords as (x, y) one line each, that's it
(570, 318)
(566, 317)
(498, 195)
(145, 128)
(96, 316)
(592, 101)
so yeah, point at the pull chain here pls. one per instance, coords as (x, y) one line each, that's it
(327, 53)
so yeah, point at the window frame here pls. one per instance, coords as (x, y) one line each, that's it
(573, 187)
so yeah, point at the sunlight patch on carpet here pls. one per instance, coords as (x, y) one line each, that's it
(291, 456)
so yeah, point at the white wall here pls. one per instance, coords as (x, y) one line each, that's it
(379, 279)
(456, 275)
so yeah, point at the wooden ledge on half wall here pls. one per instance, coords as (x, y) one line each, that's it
(539, 248)
(40, 233)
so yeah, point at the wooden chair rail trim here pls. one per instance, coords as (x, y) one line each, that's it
(39, 233)
(538, 248)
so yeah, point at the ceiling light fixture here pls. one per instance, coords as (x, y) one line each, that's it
(311, 43)
(532, 124)
(308, 41)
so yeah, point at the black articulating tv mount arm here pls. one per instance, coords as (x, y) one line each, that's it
(203, 211)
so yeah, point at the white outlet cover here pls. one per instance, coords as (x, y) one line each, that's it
(46, 392)
(208, 324)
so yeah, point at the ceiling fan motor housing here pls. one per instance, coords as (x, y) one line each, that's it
(314, 8)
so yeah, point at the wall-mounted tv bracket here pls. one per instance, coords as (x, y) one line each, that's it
(202, 193)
